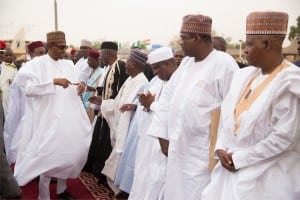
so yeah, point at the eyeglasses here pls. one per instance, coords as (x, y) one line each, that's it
(186, 37)
(61, 47)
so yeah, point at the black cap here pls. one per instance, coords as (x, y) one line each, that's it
(109, 45)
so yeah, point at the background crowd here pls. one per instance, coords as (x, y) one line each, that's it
(172, 124)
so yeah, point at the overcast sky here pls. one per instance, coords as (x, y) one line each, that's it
(131, 20)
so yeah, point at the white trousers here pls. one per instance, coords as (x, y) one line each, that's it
(44, 190)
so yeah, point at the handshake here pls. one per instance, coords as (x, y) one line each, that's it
(65, 83)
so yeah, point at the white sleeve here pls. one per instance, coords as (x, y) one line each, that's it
(225, 78)
(285, 115)
(85, 73)
(221, 139)
(34, 88)
(159, 124)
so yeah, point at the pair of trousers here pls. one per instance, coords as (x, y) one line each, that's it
(44, 183)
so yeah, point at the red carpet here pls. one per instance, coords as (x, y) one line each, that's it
(83, 188)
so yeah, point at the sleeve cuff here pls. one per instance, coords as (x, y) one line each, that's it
(240, 159)
(154, 106)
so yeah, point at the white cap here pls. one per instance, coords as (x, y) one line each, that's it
(160, 54)
(86, 43)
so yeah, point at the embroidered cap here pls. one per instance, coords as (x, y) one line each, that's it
(267, 23)
(94, 54)
(138, 56)
(196, 24)
(86, 43)
(56, 37)
(160, 54)
(34, 45)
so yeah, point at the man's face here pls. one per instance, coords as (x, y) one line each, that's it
(130, 66)
(93, 62)
(84, 51)
(57, 50)
(39, 51)
(108, 56)
(8, 56)
(178, 55)
(161, 70)
(105, 56)
(187, 42)
(254, 50)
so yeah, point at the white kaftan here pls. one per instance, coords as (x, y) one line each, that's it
(150, 163)
(119, 122)
(57, 133)
(14, 119)
(266, 148)
(84, 70)
(194, 90)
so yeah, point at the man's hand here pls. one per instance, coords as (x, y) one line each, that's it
(146, 99)
(95, 100)
(128, 107)
(226, 160)
(164, 146)
(62, 82)
(80, 88)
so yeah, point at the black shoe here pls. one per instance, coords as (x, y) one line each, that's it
(53, 180)
(122, 196)
(102, 181)
(65, 195)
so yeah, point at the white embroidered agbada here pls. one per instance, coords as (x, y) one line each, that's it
(150, 163)
(194, 90)
(56, 133)
(8, 72)
(266, 148)
(119, 122)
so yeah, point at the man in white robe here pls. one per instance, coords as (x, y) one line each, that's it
(258, 145)
(56, 132)
(118, 111)
(82, 63)
(8, 72)
(194, 91)
(13, 121)
(150, 163)
(93, 62)
(113, 78)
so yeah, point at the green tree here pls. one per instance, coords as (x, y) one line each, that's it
(97, 44)
(295, 30)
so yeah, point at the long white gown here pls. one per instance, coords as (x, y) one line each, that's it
(119, 122)
(266, 148)
(193, 92)
(56, 133)
(150, 164)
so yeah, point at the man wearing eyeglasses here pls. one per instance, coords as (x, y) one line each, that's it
(56, 132)
(188, 108)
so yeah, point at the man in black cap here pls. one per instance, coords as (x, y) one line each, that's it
(114, 77)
